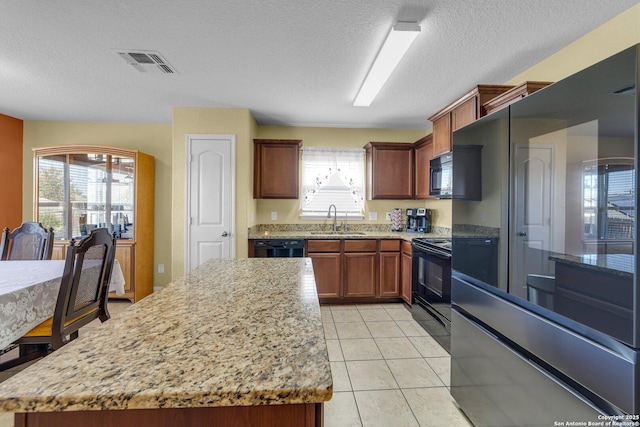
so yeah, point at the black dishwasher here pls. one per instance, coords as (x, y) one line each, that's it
(278, 248)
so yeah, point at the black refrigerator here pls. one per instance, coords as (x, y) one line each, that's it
(545, 326)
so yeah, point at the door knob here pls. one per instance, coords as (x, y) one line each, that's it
(522, 233)
(224, 234)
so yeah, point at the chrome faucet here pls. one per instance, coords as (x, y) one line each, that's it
(335, 217)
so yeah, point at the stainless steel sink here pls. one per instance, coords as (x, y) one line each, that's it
(338, 233)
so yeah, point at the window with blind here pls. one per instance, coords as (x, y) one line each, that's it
(332, 176)
(79, 192)
(609, 199)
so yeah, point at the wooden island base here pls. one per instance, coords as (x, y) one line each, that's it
(301, 415)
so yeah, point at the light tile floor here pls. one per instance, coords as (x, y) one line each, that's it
(387, 371)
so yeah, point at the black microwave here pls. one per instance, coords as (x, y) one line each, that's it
(441, 176)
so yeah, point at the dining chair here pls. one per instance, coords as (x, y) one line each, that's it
(82, 297)
(30, 241)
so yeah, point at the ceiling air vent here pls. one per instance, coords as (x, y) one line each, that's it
(146, 61)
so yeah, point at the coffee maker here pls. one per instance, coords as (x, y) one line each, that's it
(418, 220)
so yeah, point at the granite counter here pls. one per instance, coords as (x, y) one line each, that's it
(618, 264)
(233, 333)
(323, 231)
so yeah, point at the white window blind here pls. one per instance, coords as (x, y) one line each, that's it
(332, 176)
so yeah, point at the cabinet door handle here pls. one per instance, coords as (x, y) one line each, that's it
(224, 234)
(522, 233)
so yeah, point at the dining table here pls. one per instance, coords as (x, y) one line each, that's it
(29, 291)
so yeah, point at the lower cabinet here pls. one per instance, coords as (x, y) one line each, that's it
(389, 283)
(363, 268)
(327, 265)
(407, 272)
(125, 254)
(360, 268)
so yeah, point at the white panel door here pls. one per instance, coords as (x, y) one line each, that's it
(210, 198)
(532, 226)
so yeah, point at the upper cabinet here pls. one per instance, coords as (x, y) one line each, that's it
(464, 114)
(512, 95)
(389, 170)
(441, 134)
(423, 153)
(275, 168)
(80, 187)
(460, 113)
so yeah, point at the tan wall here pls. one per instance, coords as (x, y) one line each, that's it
(10, 172)
(150, 138)
(204, 120)
(613, 36)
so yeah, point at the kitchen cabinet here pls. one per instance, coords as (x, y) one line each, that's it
(459, 113)
(275, 168)
(81, 187)
(441, 134)
(513, 95)
(126, 256)
(360, 268)
(423, 153)
(326, 257)
(407, 271)
(389, 272)
(386, 160)
(463, 114)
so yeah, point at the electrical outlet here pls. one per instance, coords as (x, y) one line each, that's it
(388, 216)
(274, 216)
(161, 268)
(373, 216)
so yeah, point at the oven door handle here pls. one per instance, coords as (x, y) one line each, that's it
(439, 255)
(430, 251)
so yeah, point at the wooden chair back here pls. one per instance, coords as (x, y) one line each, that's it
(30, 241)
(85, 285)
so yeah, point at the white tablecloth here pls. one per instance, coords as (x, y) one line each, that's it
(28, 294)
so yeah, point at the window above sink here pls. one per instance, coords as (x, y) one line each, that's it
(332, 176)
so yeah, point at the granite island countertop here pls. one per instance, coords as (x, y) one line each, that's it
(616, 264)
(234, 332)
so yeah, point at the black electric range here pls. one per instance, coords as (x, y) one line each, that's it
(431, 287)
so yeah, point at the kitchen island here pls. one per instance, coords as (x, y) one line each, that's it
(235, 343)
(596, 290)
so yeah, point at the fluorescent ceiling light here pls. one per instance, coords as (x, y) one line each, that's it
(395, 46)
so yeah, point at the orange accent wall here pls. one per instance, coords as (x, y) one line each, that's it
(11, 132)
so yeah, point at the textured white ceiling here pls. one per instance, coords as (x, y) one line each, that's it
(291, 62)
